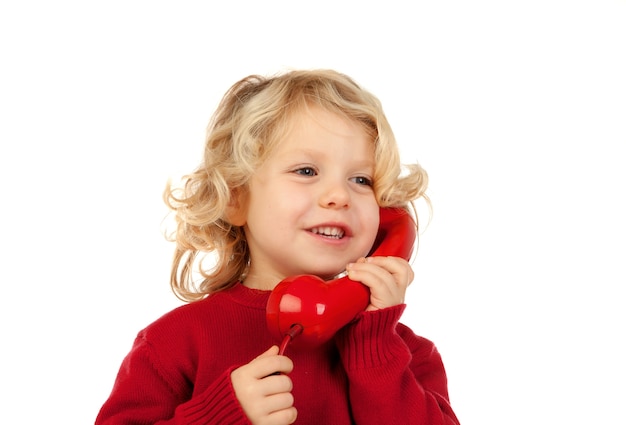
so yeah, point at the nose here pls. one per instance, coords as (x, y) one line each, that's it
(335, 195)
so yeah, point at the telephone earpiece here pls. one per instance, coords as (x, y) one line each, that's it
(314, 310)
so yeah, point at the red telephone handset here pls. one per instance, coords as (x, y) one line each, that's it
(314, 310)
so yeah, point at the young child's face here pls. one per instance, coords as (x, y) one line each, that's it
(311, 207)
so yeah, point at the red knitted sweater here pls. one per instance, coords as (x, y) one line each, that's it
(376, 371)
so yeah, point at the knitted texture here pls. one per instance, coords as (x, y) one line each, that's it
(375, 371)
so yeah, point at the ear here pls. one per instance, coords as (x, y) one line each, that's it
(237, 209)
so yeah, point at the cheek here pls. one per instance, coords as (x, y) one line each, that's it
(373, 227)
(371, 222)
(290, 201)
(280, 207)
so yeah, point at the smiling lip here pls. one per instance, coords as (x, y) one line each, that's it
(335, 231)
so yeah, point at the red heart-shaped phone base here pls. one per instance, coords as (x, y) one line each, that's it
(321, 308)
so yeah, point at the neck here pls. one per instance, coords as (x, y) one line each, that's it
(261, 283)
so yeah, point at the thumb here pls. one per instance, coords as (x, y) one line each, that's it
(272, 351)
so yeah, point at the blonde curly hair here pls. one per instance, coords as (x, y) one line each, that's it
(252, 118)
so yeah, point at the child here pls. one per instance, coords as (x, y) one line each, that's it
(295, 169)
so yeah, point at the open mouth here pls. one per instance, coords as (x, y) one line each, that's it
(328, 232)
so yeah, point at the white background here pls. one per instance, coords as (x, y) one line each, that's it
(516, 109)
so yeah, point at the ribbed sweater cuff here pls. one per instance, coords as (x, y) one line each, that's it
(216, 405)
(372, 340)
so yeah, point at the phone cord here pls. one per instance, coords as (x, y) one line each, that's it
(295, 330)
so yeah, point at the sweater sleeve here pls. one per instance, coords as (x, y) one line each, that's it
(394, 375)
(148, 390)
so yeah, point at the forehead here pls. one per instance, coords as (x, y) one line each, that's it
(316, 122)
(309, 129)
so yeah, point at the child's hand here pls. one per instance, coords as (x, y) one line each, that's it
(264, 395)
(387, 277)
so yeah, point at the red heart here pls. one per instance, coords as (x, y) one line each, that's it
(320, 307)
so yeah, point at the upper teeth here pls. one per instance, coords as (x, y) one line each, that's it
(333, 232)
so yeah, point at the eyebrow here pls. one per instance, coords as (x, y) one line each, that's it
(364, 165)
(315, 153)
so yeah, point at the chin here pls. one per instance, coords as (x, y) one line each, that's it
(341, 274)
(333, 275)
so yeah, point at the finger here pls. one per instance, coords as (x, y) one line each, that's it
(271, 365)
(398, 267)
(277, 402)
(370, 274)
(272, 351)
(380, 281)
(285, 416)
(387, 278)
(275, 384)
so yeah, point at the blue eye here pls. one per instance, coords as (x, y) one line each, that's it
(364, 181)
(306, 171)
